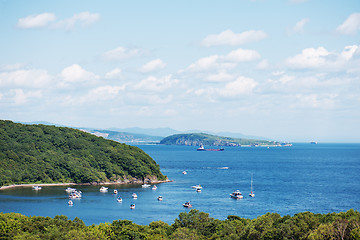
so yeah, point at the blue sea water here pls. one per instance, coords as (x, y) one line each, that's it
(319, 178)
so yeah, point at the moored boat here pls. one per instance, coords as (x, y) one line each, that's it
(115, 191)
(184, 172)
(237, 195)
(119, 199)
(201, 148)
(187, 205)
(154, 187)
(134, 195)
(70, 203)
(103, 189)
(160, 198)
(36, 188)
(197, 186)
(145, 185)
(132, 206)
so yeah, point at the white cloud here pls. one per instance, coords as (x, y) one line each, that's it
(318, 101)
(75, 73)
(351, 25)
(36, 21)
(83, 18)
(153, 65)
(20, 97)
(228, 37)
(121, 53)
(312, 58)
(105, 92)
(32, 78)
(156, 84)
(299, 26)
(219, 77)
(263, 64)
(228, 61)
(309, 58)
(115, 73)
(11, 67)
(242, 85)
(242, 55)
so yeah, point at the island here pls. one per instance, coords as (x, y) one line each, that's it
(35, 154)
(198, 139)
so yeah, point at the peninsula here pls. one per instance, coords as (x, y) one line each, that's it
(35, 154)
(197, 139)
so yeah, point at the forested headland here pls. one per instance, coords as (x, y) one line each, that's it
(197, 139)
(191, 225)
(49, 154)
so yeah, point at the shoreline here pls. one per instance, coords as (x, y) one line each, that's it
(80, 184)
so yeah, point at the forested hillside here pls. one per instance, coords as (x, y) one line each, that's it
(196, 139)
(192, 225)
(48, 154)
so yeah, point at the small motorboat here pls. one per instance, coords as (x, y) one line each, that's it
(134, 195)
(145, 185)
(119, 199)
(198, 190)
(115, 191)
(237, 195)
(160, 198)
(184, 172)
(154, 187)
(187, 205)
(103, 189)
(36, 188)
(197, 186)
(70, 203)
(75, 195)
(69, 190)
(132, 206)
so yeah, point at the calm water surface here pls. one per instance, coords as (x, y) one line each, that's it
(319, 178)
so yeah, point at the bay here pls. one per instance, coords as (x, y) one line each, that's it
(320, 178)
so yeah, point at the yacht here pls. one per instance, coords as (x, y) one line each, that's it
(132, 206)
(184, 172)
(237, 195)
(187, 205)
(197, 186)
(103, 189)
(69, 190)
(36, 188)
(154, 187)
(70, 203)
(134, 195)
(119, 199)
(160, 198)
(145, 185)
(115, 191)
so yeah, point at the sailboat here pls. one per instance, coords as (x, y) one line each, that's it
(251, 194)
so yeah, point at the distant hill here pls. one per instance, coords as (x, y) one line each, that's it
(125, 137)
(47, 154)
(197, 139)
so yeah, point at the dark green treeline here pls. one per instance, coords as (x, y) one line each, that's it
(191, 225)
(48, 154)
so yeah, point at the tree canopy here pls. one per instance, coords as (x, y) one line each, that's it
(49, 154)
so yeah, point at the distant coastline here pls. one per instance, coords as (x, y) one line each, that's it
(79, 184)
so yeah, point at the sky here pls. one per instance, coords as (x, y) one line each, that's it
(286, 70)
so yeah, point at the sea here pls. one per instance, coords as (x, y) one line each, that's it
(320, 178)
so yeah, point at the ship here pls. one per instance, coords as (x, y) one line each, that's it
(201, 148)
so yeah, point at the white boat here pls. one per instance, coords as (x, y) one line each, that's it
(187, 205)
(75, 195)
(197, 186)
(103, 189)
(132, 206)
(70, 203)
(119, 199)
(115, 191)
(145, 185)
(237, 195)
(37, 188)
(184, 172)
(251, 194)
(160, 198)
(69, 190)
(154, 187)
(198, 190)
(134, 195)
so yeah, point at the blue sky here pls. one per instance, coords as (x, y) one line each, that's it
(287, 70)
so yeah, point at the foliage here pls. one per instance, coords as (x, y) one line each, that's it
(191, 225)
(196, 139)
(48, 154)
